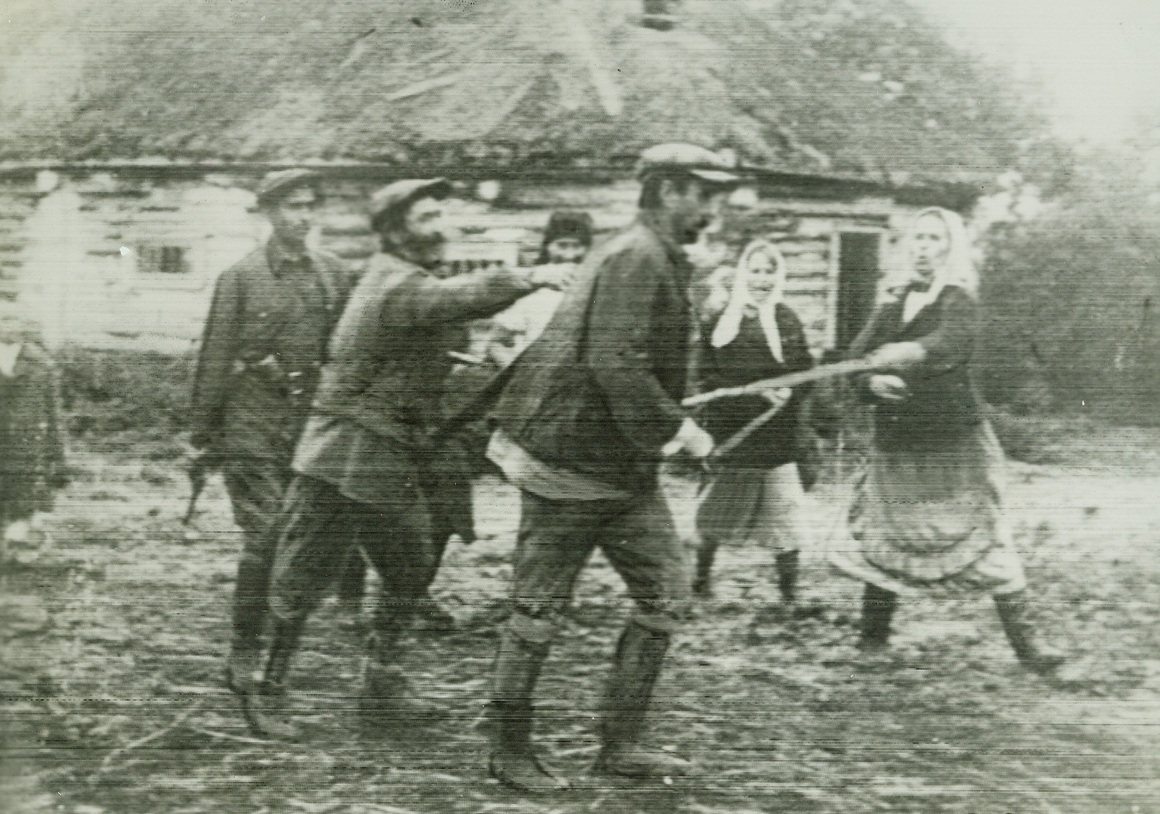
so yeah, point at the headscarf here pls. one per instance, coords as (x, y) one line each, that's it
(729, 325)
(566, 223)
(956, 270)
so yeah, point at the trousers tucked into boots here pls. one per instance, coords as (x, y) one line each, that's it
(878, 605)
(265, 709)
(636, 666)
(511, 716)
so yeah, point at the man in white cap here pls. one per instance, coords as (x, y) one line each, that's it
(261, 352)
(362, 464)
(582, 424)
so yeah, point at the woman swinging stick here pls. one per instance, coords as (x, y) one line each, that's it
(927, 518)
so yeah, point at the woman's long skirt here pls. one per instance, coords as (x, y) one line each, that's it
(764, 506)
(931, 520)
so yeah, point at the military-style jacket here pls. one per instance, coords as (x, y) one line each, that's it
(599, 392)
(263, 346)
(389, 357)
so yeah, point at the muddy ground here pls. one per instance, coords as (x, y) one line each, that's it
(114, 628)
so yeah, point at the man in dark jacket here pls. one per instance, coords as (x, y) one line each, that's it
(363, 462)
(263, 345)
(583, 422)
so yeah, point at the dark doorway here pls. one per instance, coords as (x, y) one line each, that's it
(858, 269)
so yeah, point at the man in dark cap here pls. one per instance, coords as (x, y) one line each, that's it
(261, 352)
(582, 424)
(362, 464)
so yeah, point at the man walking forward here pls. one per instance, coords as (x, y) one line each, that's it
(261, 352)
(365, 452)
(582, 424)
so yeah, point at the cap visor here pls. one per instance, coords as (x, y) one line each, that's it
(716, 176)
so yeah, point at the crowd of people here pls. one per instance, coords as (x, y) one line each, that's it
(322, 398)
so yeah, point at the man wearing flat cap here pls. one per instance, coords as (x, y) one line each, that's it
(582, 424)
(261, 353)
(361, 466)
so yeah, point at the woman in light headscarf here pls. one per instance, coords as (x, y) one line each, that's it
(758, 495)
(927, 517)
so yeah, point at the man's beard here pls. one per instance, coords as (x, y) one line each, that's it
(426, 249)
(692, 233)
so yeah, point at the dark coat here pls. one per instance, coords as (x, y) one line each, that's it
(943, 399)
(31, 438)
(389, 359)
(261, 351)
(598, 393)
(747, 359)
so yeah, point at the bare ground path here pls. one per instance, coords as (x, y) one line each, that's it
(114, 629)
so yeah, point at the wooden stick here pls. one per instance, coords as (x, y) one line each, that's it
(814, 374)
(137, 744)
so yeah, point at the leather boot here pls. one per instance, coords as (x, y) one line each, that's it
(703, 577)
(786, 565)
(248, 617)
(1020, 630)
(878, 605)
(639, 655)
(510, 717)
(385, 694)
(266, 708)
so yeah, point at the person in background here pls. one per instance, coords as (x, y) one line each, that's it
(365, 463)
(581, 426)
(927, 517)
(757, 495)
(261, 352)
(32, 444)
(567, 239)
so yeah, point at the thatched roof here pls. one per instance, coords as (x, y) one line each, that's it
(869, 89)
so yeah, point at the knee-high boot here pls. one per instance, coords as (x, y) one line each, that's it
(636, 666)
(786, 565)
(1020, 630)
(385, 692)
(703, 577)
(251, 591)
(266, 708)
(511, 717)
(878, 605)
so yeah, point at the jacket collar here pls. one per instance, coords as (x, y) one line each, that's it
(674, 250)
(279, 256)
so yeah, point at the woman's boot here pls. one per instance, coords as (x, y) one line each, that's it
(1020, 630)
(786, 565)
(510, 717)
(702, 578)
(878, 606)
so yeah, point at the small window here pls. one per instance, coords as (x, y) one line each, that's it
(162, 260)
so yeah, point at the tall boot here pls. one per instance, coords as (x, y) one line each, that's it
(385, 694)
(511, 717)
(426, 608)
(266, 708)
(636, 666)
(248, 620)
(703, 577)
(1020, 630)
(786, 565)
(352, 586)
(878, 605)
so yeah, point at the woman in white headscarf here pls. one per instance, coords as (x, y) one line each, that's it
(927, 517)
(758, 494)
